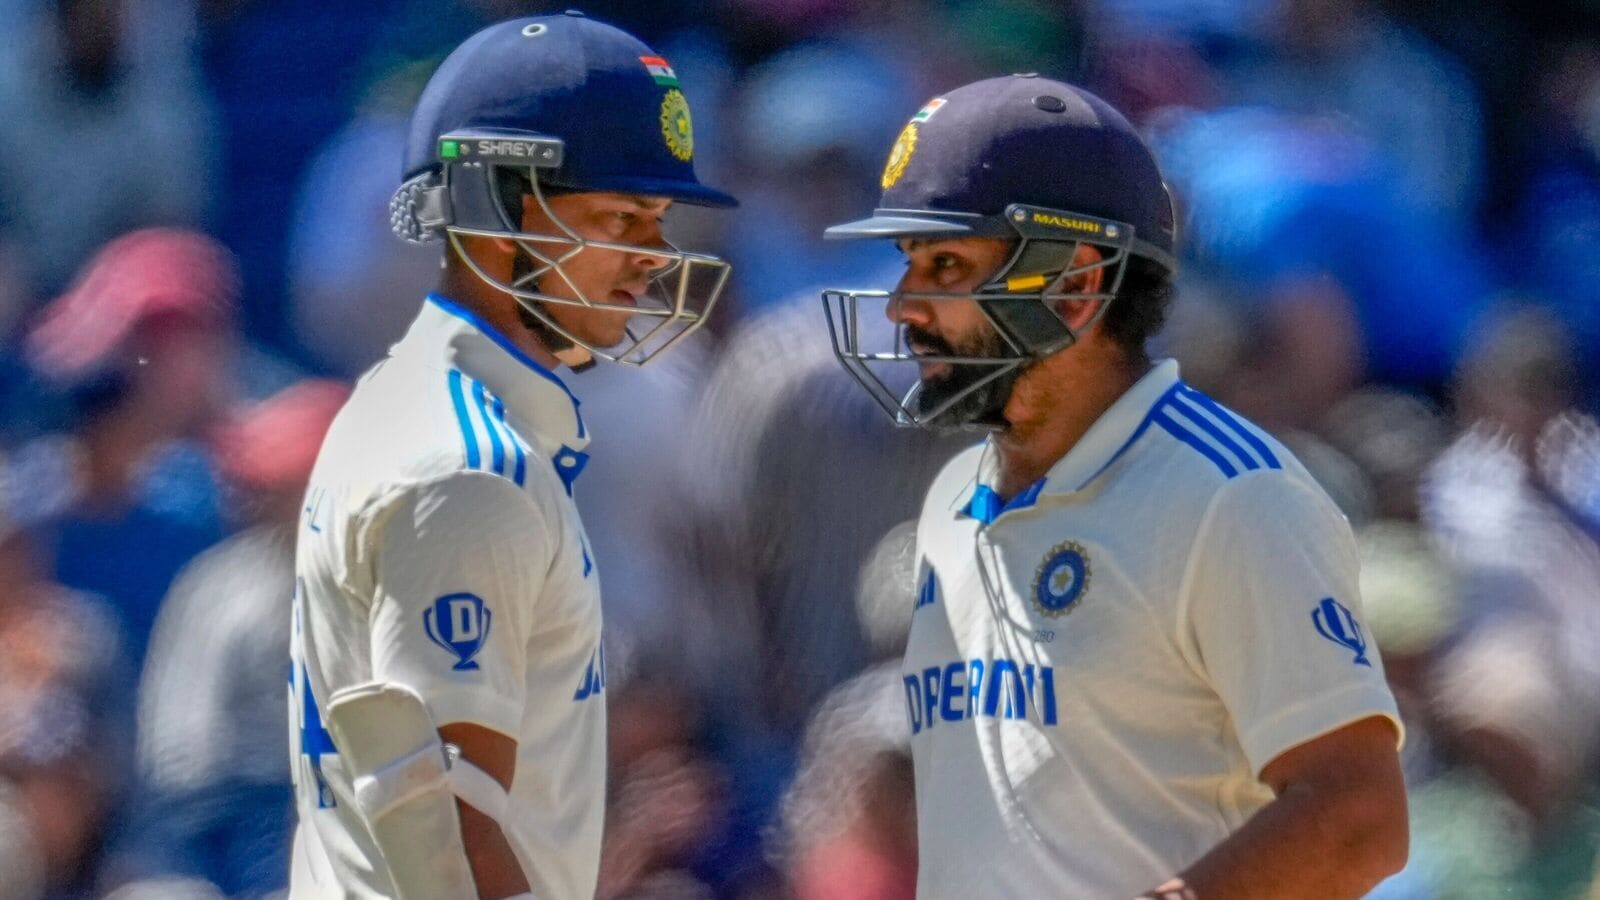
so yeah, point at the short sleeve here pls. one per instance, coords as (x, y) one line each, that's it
(459, 566)
(1272, 613)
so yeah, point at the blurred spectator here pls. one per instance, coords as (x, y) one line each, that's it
(851, 815)
(847, 828)
(1555, 249)
(215, 801)
(780, 520)
(1018, 35)
(140, 348)
(65, 732)
(666, 797)
(1515, 690)
(1393, 437)
(640, 421)
(1412, 603)
(1352, 60)
(353, 285)
(1327, 161)
(104, 126)
(284, 75)
(1300, 226)
(821, 114)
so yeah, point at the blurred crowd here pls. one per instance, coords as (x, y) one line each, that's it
(1390, 228)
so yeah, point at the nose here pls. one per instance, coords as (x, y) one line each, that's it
(652, 262)
(903, 310)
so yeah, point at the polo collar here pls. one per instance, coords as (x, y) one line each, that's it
(447, 336)
(1114, 433)
(1111, 436)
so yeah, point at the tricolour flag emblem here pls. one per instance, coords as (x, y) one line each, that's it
(926, 113)
(660, 70)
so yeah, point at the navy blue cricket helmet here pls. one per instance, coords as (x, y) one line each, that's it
(1039, 162)
(547, 105)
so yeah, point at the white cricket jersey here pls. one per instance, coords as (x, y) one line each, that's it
(1099, 669)
(439, 548)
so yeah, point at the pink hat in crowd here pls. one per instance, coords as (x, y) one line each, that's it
(155, 273)
(273, 444)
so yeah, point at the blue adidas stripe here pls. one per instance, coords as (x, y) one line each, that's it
(517, 448)
(497, 450)
(1178, 431)
(1228, 419)
(459, 399)
(1217, 434)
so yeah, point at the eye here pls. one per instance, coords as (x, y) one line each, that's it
(625, 217)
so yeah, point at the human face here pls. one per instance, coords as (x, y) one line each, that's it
(953, 327)
(595, 274)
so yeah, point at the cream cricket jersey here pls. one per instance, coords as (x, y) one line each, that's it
(1099, 669)
(439, 548)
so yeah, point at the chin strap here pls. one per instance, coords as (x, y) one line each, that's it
(574, 357)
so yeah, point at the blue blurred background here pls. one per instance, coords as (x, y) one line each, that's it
(1390, 228)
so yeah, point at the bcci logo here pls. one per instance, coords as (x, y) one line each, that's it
(1061, 580)
(900, 155)
(460, 624)
(1335, 622)
(677, 128)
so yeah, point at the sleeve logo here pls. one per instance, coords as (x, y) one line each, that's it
(1335, 622)
(460, 624)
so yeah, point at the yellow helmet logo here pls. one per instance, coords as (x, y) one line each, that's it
(677, 129)
(899, 155)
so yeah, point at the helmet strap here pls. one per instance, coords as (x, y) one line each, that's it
(571, 355)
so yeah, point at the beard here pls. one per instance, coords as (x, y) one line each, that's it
(972, 400)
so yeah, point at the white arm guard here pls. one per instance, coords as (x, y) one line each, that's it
(406, 783)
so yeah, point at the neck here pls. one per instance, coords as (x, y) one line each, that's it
(1054, 404)
(494, 306)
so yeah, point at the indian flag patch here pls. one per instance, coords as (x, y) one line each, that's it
(926, 113)
(660, 70)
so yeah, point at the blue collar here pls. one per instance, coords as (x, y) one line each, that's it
(986, 505)
(449, 337)
(493, 334)
(1106, 441)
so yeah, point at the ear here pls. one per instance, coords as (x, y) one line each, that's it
(492, 254)
(1079, 312)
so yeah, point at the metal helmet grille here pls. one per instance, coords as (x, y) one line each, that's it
(1028, 324)
(887, 373)
(678, 299)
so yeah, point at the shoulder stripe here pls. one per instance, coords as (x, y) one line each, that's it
(1217, 434)
(497, 450)
(1160, 417)
(1227, 418)
(518, 449)
(458, 398)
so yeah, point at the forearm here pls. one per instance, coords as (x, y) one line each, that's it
(1305, 844)
(495, 868)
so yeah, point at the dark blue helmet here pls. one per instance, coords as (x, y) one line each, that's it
(554, 104)
(968, 158)
(1044, 164)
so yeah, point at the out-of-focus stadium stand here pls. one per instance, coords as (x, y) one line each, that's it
(1390, 231)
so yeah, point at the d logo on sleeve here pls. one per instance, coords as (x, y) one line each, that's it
(460, 624)
(1335, 622)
